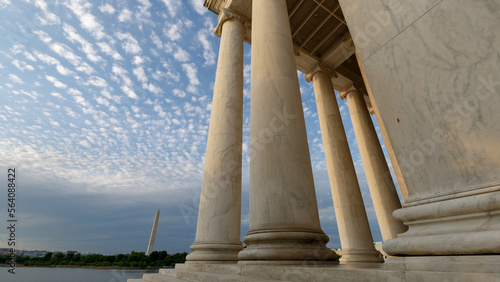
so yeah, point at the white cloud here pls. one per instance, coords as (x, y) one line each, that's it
(125, 15)
(16, 79)
(108, 50)
(143, 13)
(156, 40)
(102, 101)
(173, 31)
(173, 75)
(152, 88)
(85, 68)
(107, 9)
(4, 3)
(64, 71)
(208, 53)
(246, 73)
(192, 74)
(22, 65)
(57, 95)
(43, 36)
(53, 62)
(71, 34)
(129, 43)
(179, 93)
(140, 74)
(65, 52)
(49, 18)
(159, 110)
(138, 60)
(122, 73)
(173, 6)
(181, 55)
(46, 58)
(56, 82)
(118, 70)
(129, 92)
(87, 20)
(97, 81)
(85, 144)
(198, 6)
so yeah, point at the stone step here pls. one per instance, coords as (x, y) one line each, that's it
(344, 272)
(233, 269)
(151, 277)
(167, 272)
(184, 276)
(219, 277)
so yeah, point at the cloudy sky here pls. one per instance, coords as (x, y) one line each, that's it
(104, 113)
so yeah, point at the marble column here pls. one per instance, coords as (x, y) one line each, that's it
(354, 230)
(384, 196)
(284, 219)
(218, 230)
(385, 137)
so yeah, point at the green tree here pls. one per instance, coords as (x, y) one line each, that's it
(59, 256)
(136, 256)
(154, 256)
(162, 255)
(69, 257)
(120, 257)
(77, 258)
(47, 256)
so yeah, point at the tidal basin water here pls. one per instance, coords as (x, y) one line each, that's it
(47, 274)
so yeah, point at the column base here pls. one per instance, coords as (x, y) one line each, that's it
(468, 264)
(213, 253)
(360, 256)
(286, 247)
(460, 226)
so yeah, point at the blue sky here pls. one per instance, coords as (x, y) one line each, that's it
(104, 113)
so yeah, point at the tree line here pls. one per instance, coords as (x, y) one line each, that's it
(134, 259)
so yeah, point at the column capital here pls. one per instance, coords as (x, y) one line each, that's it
(343, 94)
(229, 14)
(319, 68)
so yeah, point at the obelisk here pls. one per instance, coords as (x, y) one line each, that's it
(153, 233)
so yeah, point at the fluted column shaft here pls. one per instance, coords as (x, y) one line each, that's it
(354, 230)
(219, 216)
(284, 219)
(384, 196)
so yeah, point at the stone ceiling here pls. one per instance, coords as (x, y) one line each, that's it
(319, 33)
(318, 26)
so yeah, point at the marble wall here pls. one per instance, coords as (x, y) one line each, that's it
(434, 69)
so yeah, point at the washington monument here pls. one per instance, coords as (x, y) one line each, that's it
(153, 234)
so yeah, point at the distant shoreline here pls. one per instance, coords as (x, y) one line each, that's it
(83, 266)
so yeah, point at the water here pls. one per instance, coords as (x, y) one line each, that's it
(43, 274)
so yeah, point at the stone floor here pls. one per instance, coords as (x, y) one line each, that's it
(428, 269)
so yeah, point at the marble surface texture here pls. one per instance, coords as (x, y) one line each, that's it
(373, 23)
(284, 219)
(354, 230)
(436, 85)
(382, 190)
(219, 217)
